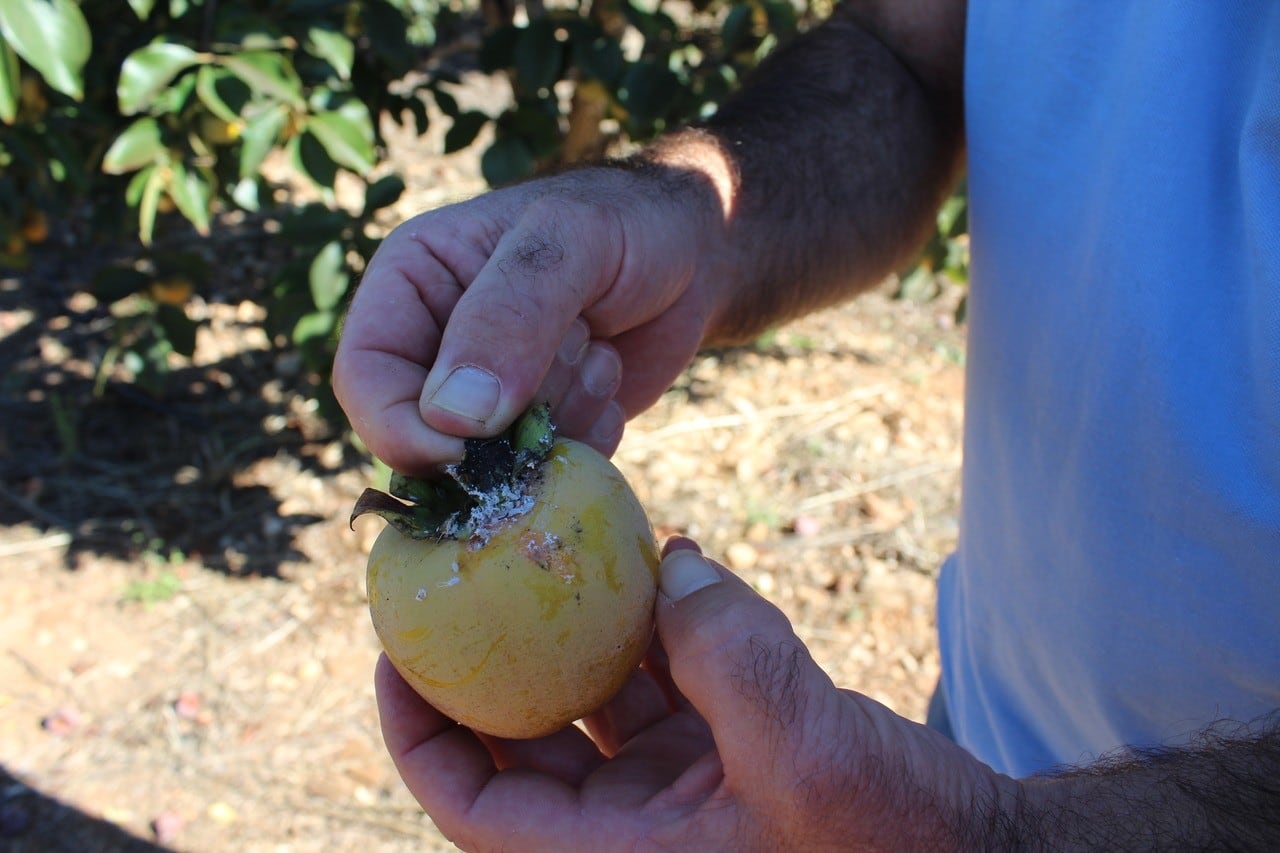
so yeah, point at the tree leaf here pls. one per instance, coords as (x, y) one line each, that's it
(53, 37)
(147, 205)
(498, 49)
(142, 8)
(647, 90)
(344, 138)
(314, 223)
(191, 194)
(310, 158)
(222, 93)
(179, 329)
(507, 160)
(538, 56)
(268, 73)
(466, 127)
(260, 134)
(384, 192)
(596, 55)
(10, 83)
(138, 145)
(114, 283)
(328, 277)
(736, 28)
(333, 47)
(317, 324)
(148, 71)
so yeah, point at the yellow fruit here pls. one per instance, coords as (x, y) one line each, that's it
(35, 226)
(172, 291)
(537, 613)
(217, 131)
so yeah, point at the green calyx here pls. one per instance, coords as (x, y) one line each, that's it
(442, 508)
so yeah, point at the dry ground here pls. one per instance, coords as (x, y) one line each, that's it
(185, 653)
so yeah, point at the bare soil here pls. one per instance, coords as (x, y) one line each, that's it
(185, 650)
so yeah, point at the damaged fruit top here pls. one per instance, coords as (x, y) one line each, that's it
(493, 483)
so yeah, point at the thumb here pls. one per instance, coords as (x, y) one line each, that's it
(735, 657)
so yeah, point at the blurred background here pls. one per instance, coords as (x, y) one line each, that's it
(188, 194)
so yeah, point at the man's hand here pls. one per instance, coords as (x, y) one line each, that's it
(731, 738)
(574, 290)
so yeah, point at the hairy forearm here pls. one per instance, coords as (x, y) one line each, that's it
(825, 171)
(1221, 793)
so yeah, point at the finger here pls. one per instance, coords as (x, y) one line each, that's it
(640, 704)
(655, 352)
(391, 332)
(442, 763)
(564, 366)
(739, 663)
(595, 380)
(502, 336)
(451, 774)
(568, 755)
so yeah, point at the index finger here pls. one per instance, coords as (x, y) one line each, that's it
(553, 262)
(390, 337)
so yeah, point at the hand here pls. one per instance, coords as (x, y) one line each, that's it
(731, 739)
(575, 290)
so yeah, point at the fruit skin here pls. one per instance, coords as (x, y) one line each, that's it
(541, 624)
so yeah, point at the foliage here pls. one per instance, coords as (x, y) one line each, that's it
(946, 254)
(164, 112)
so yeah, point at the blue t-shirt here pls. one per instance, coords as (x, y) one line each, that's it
(1117, 579)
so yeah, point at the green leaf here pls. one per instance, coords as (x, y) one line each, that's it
(466, 127)
(10, 83)
(317, 324)
(736, 28)
(781, 16)
(598, 56)
(148, 71)
(333, 47)
(537, 122)
(388, 35)
(314, 224)
(261, 133)
(179, 329)
(497, 51)
(138, 183)
(347, 141)
(647, 90)
(327, 276)
(384, 192)
(142, 8)
(147, 205)
(53, 37)
(310, 158)
(245, 192)
(538, 56)
(115, 283)
(138, 145)
(268, 73)
(508, 159)
(222, 93)
(191, 194)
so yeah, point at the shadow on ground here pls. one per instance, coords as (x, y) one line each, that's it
(110, 469)
(31, 822)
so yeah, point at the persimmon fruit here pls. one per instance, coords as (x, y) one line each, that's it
(515, 595)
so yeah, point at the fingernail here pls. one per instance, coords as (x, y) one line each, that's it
(574, 343)
(600, 371)
(608, 427)
(469, 391)
(685, 571)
